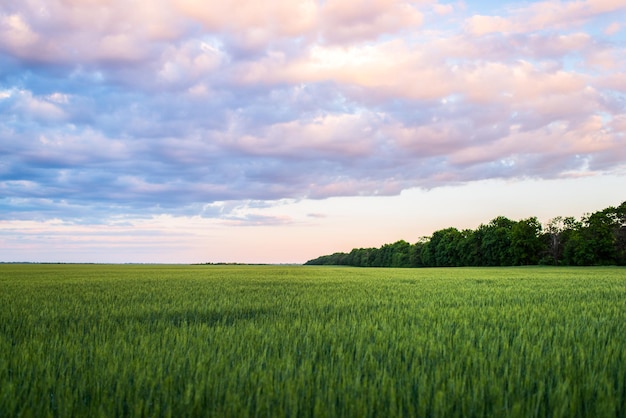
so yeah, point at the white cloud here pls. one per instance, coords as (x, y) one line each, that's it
(176, 104)
(613, 28)
(544, 15)
(15, 33)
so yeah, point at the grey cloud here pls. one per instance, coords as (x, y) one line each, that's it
(175, 129)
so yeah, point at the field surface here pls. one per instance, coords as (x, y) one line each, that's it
(100, 340)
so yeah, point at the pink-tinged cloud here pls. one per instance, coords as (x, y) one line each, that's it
(350, 20)
(443, 9)
(615, 81)
(322, 136)
(481, 25)
(613, 28)
(16, 33)
(545, 15)
(169, 106)
(252, 25)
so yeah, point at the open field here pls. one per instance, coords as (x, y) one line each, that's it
(110, 340)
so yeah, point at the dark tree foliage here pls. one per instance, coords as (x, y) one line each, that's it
(526, 244)
(597, 239)
(559, 231)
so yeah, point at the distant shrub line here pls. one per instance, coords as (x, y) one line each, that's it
(596, 239)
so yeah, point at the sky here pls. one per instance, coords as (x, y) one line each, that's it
(189, 131)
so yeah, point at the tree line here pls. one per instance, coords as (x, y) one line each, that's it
(595, 239)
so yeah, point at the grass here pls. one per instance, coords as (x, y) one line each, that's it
(100, 340)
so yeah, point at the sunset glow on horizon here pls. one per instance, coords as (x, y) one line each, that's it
(186, 131)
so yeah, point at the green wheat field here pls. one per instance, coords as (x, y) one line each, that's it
(300, 341)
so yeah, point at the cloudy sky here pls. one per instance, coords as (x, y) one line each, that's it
(277, 131)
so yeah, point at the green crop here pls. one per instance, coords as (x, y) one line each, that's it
(99, 340)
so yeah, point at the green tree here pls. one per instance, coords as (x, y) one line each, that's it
(400, 254)
(598, 235)
(593, 242)
(415, 256)
(526, 244)
(496, 242)
(558, 232)
(599, 238)
(428, 254)
(619, 231)
(445, 245)
(473, 247)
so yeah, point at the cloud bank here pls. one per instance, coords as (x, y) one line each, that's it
(180, 106)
